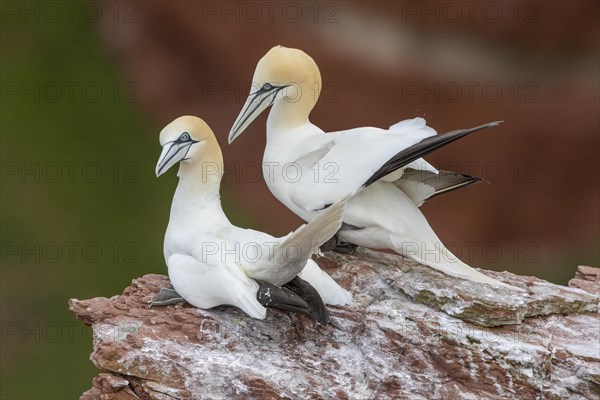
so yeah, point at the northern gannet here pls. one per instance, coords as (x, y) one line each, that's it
(212, 262)
(382, 166)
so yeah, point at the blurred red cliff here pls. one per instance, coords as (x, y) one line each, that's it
(458, 64)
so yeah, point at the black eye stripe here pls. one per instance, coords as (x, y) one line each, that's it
(184, 138)
(264, 88)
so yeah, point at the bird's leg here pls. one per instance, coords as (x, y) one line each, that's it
(295, 296)
(330, 244)
(338, 245)
(166, 297)
(345, 247)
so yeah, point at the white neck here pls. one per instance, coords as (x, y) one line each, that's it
(291, 114)
(197, 197)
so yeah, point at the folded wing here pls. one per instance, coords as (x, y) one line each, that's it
(290, 255)
(340, 163)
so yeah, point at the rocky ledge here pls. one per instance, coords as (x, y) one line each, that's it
(411, 333)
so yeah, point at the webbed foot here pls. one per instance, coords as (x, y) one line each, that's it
(345, 248)
(166, 297)
(338, 245)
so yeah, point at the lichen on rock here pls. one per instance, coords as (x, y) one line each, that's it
(411, 332)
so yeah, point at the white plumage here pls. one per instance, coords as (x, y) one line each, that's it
(384, 163)
(212, 262)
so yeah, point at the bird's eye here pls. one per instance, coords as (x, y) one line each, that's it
(184, 137)
(267, 86)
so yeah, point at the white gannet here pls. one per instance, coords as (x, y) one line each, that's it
(212, 262)
(308, 170)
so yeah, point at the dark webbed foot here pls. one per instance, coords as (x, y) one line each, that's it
(296, 296)
(166, 297)
(345, 248)
(338, 245)
(329, 245)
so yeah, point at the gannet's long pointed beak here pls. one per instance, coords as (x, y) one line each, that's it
(171, 154)
(256, 103)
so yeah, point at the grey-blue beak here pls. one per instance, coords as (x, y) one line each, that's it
(171, 154)
(256, 103)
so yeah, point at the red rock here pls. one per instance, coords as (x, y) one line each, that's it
(386, 345)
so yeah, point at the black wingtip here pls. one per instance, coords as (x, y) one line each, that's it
(421, 149)
(296, 296)
(311, 296)
(467, 180)
(477, 179)
(472, 179)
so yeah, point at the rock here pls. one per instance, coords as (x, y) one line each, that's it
(587, 278)
(410, 333)
(110, 387)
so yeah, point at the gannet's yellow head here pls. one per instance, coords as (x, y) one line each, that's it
(283, 74)
(184, 140)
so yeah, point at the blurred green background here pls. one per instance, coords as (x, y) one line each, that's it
(83, 100)
(106, 197)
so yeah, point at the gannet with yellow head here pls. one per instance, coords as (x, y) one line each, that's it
(212, 262)
(382, 166)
